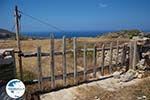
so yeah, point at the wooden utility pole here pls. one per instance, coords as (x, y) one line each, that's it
(18, 42)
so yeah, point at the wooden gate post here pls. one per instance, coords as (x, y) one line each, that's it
(117, 52)
(52, 66)
(64, 60)
(75, 59)
(39, 67)
(110, 55)
(102, 59)
(85, 62)
(123, 59)
(135, 55)
(131, 55)
(94, 60)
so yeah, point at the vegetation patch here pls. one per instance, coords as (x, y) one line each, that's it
(123, 34)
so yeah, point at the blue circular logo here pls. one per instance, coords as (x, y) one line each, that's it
(15, 88)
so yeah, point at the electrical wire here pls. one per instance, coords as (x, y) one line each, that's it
(13, 27)
(41, 21)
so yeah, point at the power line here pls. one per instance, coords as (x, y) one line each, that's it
(13, 27)
(42, 22)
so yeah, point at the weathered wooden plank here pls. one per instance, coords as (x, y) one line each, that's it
(123, 56)
(34, 54)
(131, 55)
(117, 52)
(64, 61)
(85, 62)
(102, 59)
(39, 68)
(110, 60)
(71, 74)
(135, 55)
(94, 60)
(75, 59)
(2, 51)
(52, 66)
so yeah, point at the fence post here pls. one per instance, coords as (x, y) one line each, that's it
(64, 61)
(75, 59)
(131, 55)
(52, 61)
(135, 55)
(111, 55)
(117, 55)
(102, 59)
(85, 62)
(94, 60)
(123, 55)
(39, 67)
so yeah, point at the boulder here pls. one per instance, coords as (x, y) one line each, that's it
(116, 75)
(142, 98)
(146, 56)
(141, 40)
(141, 64)
(6, 60)
(128, 76)
(140, 76)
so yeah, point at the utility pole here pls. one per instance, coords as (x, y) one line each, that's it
(18, 42)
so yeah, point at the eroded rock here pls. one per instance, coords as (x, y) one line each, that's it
(128, 76)
(141, 65)
(116, 75)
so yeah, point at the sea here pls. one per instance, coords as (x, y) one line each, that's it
(69, 34)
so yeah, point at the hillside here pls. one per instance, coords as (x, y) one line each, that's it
(124, 34)
(5, 34)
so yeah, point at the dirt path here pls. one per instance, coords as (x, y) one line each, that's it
(108, 89)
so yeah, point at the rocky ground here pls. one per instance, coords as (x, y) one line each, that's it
(132, 85)
(108, 89)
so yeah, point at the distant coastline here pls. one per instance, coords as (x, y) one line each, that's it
(6, 34)
(69, 34)
(66, 34)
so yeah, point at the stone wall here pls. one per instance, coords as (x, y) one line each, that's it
(7, 64)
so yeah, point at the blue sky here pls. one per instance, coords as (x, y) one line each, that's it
(78, 15)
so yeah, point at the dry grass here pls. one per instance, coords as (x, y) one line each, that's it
(30, 64)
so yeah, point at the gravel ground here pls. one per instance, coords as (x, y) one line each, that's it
(91, 91)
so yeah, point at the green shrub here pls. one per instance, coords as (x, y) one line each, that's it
(123, 34)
